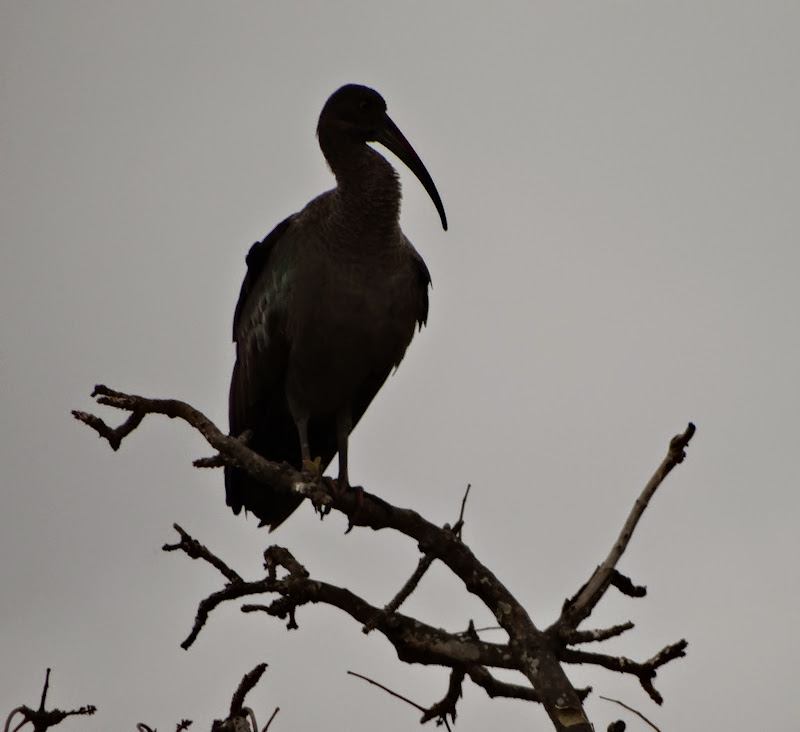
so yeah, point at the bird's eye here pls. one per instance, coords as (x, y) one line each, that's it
(363, 105)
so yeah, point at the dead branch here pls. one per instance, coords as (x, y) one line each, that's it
(196, 550)
(232, 451)
(630, 709)
(481, 676)
(269, 721)
(387, 690)
(426, 560)
(577, 637)
(249, 680)
(579, 607)
(447, 706)
(182, 726)
(240, 717)
(42, 719)
(645, 671)
(538, 655)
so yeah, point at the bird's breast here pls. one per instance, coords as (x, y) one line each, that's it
(350, 320)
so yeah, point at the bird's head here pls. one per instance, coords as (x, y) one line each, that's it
(358, 113)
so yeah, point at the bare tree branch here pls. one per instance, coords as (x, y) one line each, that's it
(577, 637)
(249, 680)
(240, 717)
(41, 719)
(388, 690)
(196, 550)
(269, 721)
(630, 709)
(537, 654)
(578, 608)
(232, 450)
(447, 706)
(646, 671)
(481, 676)
(424, 564)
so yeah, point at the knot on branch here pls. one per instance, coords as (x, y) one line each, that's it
(678, 444)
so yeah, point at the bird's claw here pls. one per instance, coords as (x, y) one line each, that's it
(359, 506)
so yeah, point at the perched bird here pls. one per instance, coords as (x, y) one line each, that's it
(330, 302)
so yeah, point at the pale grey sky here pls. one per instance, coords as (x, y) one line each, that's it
(621, 181)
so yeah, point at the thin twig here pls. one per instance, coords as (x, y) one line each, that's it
(393, 605)
(389, 691)
(269, 721)
(10, 716)
(576, 637)
(422, 567)
(630, 709)
(44, 690)
(460, 523)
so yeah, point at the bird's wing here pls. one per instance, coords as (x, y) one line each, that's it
(257, 394)
(257, 259)
(259, 327)
(367, 391)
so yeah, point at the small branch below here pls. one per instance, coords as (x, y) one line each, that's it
(645, 672)
(115, 436)
(388, 691)
(41, 719)
(630, 709)
(196, 550)
(447, 706)
(577, 637)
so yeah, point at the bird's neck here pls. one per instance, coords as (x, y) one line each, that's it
(367, 190)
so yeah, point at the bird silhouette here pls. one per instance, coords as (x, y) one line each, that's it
(330, 302)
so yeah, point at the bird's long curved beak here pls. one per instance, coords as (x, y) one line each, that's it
(392, 139)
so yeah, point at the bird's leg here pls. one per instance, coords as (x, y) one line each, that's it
(309, 465)
(344, 424)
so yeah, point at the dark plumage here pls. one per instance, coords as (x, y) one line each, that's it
(329, 305)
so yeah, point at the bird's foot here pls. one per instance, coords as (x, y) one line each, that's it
(314, 467)
(320, 499)
(338, 488)
(359, 491)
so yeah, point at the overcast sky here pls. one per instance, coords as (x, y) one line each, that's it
(621, 181)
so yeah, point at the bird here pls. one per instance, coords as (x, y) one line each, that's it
(329, 304)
